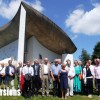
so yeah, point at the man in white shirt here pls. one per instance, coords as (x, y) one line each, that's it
(45, 76)
(71, 74)
(2, 75)
(28, 73)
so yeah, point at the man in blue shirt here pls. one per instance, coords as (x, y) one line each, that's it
(54, 74)
(10, 74)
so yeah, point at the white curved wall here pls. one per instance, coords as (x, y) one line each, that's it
(35, 48)
(65, 57)
(9, 51)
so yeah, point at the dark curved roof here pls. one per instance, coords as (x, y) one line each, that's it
(46, 32)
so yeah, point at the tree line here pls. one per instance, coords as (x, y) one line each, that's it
(86, 56)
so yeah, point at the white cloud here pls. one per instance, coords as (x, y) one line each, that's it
(85, 22)
(80, 6)
(8, 10)
(37, 5)
(0, 2)
(74, 37)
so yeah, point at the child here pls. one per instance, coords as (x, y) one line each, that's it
(63, 76)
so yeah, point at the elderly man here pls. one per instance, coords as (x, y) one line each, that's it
(10, 74)
(2, 75)
(97, 74)
(18, 73)
(54, 74)
(71, 74)
(59, 61)
(96, 85)
(45, 76)
(36, 81)
(28, 73)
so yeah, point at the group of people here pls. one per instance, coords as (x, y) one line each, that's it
(65, 78)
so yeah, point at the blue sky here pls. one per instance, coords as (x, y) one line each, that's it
(80, 19)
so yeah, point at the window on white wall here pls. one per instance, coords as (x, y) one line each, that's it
(40, 56)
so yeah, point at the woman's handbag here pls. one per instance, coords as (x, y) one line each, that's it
(81, 76)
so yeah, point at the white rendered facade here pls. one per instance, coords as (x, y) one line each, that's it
(34, 49)
(9, 51)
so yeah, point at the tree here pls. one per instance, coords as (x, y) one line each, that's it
(96, 52)
(84, 56)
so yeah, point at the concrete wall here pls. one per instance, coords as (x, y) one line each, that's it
(34, 48)
(30, 44)
(9, 51)
(65, 57)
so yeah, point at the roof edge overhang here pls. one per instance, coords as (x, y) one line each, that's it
(56, 31)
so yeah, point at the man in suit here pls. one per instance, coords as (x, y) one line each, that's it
(10, 74)
(45, 76)
(36, 81)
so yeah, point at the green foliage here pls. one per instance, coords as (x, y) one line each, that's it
(84, 56)
(96, 52)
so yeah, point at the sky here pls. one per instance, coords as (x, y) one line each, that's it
(80, 19)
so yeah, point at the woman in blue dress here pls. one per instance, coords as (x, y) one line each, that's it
(63, 76)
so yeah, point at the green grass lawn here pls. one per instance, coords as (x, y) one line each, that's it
(75, 97)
